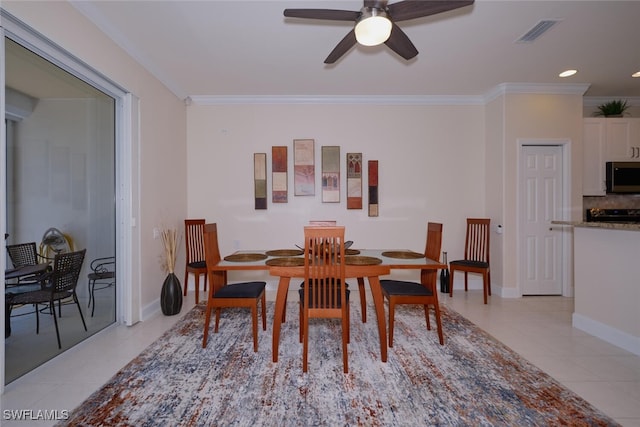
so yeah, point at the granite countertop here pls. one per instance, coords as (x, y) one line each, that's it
(609, 225)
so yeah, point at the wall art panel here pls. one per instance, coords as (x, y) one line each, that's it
(304, 169)
(354, 180)
(330, 174)
(373, 187)
(260, 180)
(279, 189)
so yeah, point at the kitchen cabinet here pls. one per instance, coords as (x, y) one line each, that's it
(622, 139)
(593, 163)
(606, 140)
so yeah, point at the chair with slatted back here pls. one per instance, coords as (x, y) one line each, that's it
(423, 293)
(221, 294)
(361, 289)
(324, 294)
(195, 263)
(476, 255)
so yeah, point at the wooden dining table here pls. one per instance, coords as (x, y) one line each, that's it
(371, 271)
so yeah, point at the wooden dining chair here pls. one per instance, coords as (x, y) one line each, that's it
(195, 263)
(324, 293)
(361, 288)
(423, 293)
(476, 255)
(221, 294)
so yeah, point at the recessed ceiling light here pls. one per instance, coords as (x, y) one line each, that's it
(636, 74)
(567, 73)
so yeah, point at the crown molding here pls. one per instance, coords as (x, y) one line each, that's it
(502, 89)
(536, 88)
(334, 99)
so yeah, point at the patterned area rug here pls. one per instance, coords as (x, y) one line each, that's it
(472, 380)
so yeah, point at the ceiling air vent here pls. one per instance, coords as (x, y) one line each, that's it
(539, 29)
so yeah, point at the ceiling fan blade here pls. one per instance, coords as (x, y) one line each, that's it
(329, 14)
(345, 44)
(399, 42)
(411, 9)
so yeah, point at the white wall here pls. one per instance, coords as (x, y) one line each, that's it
(431, 168)
(530, 116)
(496, 162)
(161, 172)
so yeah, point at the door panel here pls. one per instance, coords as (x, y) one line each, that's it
(540, 203)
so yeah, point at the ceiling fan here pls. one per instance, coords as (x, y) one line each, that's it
(375, 23)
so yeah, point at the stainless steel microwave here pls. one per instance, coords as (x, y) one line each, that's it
(623, 177)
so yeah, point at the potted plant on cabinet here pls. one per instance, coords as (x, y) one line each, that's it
(615, 108)
(171, 295)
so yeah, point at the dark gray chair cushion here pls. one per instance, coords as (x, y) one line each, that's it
(241, 290)
(401, 287)
(198, 264)
(470, 263)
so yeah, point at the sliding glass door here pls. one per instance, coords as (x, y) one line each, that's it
(60, 177)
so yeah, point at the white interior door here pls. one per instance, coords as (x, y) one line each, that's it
(540, 180)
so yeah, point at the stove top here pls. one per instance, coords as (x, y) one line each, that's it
(613, 215)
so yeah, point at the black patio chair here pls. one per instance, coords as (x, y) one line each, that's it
(58, 285)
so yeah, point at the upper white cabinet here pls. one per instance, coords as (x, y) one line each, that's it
(623, 139)
(593, 144)
(607, 140)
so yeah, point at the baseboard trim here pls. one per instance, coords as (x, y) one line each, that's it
(606, 333)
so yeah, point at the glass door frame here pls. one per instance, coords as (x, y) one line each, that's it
(126, 159)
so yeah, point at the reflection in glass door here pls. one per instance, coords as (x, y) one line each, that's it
(60, 175)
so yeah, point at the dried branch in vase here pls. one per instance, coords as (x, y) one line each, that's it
(170, 242)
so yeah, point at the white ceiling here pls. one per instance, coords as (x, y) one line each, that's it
(248, 48)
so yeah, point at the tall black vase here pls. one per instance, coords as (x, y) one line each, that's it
(171, 295)
(444, 275)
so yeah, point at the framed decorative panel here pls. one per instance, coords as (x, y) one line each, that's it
(330, 174)
(304, 167)
(354, 180)
(260, 180)
(373, 188)
(279, 174)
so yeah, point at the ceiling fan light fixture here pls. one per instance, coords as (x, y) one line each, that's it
(373, 27)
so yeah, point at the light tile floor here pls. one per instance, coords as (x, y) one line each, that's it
(539, 328)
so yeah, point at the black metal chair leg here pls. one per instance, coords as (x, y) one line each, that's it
(37, 319)
(75, 298)
(55, 320)
(89, 290)
(93, 299)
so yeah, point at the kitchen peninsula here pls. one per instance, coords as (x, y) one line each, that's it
(607, 281)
